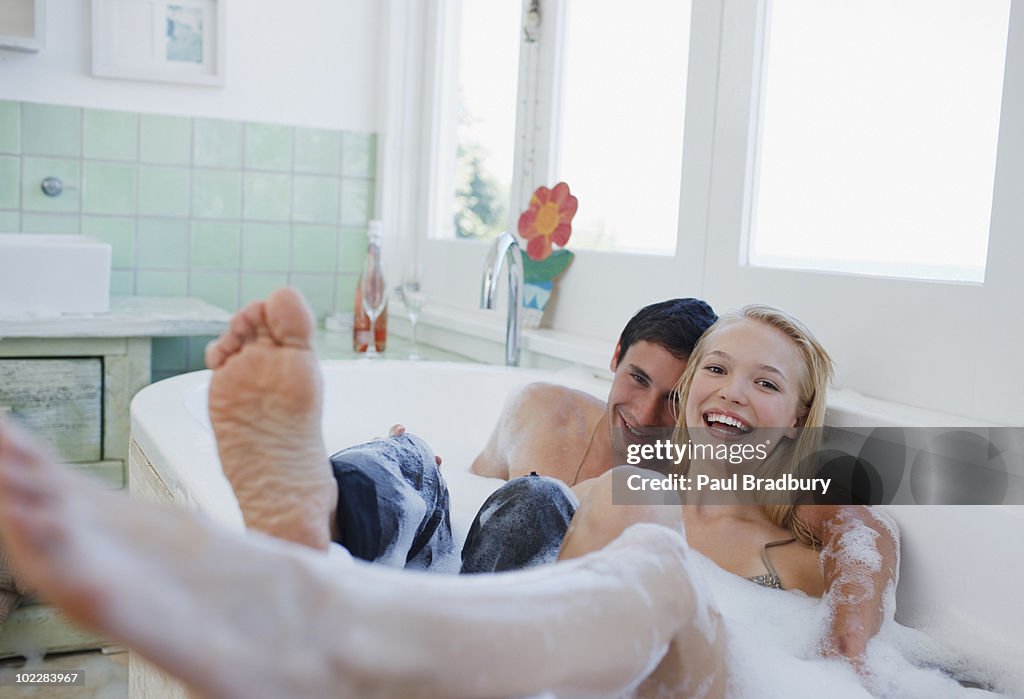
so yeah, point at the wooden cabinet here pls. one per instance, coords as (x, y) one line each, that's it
(61, 400)
(71, 380)
(74, 393)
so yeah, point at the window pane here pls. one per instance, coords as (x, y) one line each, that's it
(621, 136)
(878, 139)
(488, 70)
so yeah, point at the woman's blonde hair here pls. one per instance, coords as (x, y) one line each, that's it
(789, 456)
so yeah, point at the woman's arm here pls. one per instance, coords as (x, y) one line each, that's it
(860, 564)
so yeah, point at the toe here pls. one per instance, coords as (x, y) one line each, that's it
(245, 326)
(220, 349)
(250, 321)
(289, 318)
(214, 354)
(223, 347)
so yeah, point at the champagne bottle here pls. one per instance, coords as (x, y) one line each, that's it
(361, 330)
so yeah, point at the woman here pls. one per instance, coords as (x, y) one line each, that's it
(757, 376)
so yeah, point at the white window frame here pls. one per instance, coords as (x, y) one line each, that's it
(950, 347)
(910, 341)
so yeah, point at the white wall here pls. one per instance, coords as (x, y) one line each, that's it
(300, 62)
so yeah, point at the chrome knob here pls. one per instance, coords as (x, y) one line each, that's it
(52, 186)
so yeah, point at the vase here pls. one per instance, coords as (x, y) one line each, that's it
(535, 299)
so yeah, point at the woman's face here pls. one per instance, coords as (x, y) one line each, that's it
(746, 389)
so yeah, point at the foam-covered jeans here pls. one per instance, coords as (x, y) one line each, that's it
(393, 508)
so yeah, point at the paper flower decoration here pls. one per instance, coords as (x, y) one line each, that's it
(548, 220)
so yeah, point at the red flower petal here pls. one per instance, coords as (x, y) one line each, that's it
(526, 223)
(561, 234)
(542, 195)
(560, 193)
(568, 209)
(538, 248)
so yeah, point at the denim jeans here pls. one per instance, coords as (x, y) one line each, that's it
(393, 508)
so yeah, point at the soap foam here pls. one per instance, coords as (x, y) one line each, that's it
(772, 650)
(855, 554)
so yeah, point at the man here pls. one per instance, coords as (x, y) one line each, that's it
(561, 437)
(572, 436)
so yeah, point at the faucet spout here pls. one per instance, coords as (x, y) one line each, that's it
(506, 247)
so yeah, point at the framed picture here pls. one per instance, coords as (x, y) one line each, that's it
(177, 41)
(22, 24)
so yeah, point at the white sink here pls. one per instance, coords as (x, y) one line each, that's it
(48, 275)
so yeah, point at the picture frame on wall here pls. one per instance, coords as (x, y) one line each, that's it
(175, 41)
(23, 25)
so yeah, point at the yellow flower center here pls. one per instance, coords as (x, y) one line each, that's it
(547, 218)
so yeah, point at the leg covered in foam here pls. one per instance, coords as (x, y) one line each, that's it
(207, 605)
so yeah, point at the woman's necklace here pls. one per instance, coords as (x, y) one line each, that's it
(590, 443)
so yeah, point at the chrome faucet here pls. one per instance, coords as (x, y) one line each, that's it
(505, 246)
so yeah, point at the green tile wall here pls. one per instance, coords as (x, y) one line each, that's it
(164, 190)
(316, 151)
(315, 199)
(268, 147)
(223, 210)
(110, 135)
(48, 129)
(10, 221)
(268, 196)
(108, 188)
(165, 139)
(217, 143)
(10, 181)
(216, 245)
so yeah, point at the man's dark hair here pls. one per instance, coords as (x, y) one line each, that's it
(676, 325)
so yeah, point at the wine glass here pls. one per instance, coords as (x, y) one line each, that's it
(375, 297)
(415, 299)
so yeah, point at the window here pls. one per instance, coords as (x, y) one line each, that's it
(488, 61)
(616, 73)
(621, 135)
(878, 133)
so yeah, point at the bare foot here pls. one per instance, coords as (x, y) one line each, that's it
(265, 407)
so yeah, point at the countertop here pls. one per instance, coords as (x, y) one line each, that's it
(129, 316)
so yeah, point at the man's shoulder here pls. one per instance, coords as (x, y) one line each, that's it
(553, 401)
(546, 430)
(539, 428)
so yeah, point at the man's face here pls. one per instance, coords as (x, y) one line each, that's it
(641, 400)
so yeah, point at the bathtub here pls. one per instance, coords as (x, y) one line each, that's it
(961, 566)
